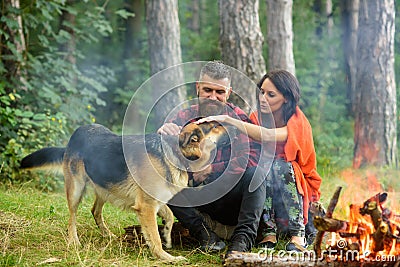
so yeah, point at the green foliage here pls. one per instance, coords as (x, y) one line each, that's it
(200, 44)
(111, 62)
(24, 130)
(50, 93)
(319, 68)
(125, 52)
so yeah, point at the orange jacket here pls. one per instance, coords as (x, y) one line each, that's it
(300, 151)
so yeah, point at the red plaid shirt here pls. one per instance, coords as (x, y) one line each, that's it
(243, 152)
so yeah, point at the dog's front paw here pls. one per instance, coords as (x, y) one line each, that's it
(74, 243)
(168, 244)
(166, 257)
(178, 258)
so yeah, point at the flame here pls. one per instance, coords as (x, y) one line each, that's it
(360, 186)
(375, 236)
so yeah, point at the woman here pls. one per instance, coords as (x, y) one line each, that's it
(292, 182)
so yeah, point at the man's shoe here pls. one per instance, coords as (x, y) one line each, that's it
(238, 244)
(209, 241)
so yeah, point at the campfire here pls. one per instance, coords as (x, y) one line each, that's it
(371, 234)
(369, 237)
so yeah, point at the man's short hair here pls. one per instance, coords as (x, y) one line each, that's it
(216, 70)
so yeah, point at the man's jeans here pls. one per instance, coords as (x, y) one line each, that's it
(238, 207)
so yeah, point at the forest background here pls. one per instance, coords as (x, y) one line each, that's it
(82, 61)
(64, 63)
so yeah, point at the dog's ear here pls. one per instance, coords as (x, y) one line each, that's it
(184, 139)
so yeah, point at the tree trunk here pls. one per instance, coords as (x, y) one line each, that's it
(375, 105)
(67, 20)
(349, 17)
(17, 38)
(132, 35)
(241, 46)
(194, 20)
(69, 47)
(133, 26)
(165, 51)
(329, 16)
(18, 35)
(280, 35)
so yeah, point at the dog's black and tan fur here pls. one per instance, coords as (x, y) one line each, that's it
(143, 179)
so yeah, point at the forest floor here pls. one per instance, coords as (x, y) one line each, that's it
(33, 225)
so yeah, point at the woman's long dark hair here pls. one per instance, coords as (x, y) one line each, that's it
(288, 85)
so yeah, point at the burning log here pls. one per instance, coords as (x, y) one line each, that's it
(381, 228)
(349, 235)
(331, 225)
(372, 209)
(379, 198)
(381, 220)
(379, 237)
(329, 212)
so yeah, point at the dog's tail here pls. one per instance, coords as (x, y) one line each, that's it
(49, 158)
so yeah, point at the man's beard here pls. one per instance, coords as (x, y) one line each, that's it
(208, 107)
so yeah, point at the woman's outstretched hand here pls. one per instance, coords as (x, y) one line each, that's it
(217, 118)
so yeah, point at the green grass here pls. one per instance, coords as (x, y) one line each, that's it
(33, 229)
(33, 224)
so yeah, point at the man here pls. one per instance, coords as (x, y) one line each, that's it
(235, 166)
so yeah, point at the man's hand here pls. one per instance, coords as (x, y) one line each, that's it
(169, 129)
(200, 176)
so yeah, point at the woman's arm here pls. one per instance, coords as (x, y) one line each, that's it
(256, 132)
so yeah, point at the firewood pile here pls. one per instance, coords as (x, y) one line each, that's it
(372, 231)
(180, 236)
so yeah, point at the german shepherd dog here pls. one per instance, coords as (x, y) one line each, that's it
(136, 172)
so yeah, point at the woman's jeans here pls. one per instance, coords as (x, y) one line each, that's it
(283, 205)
